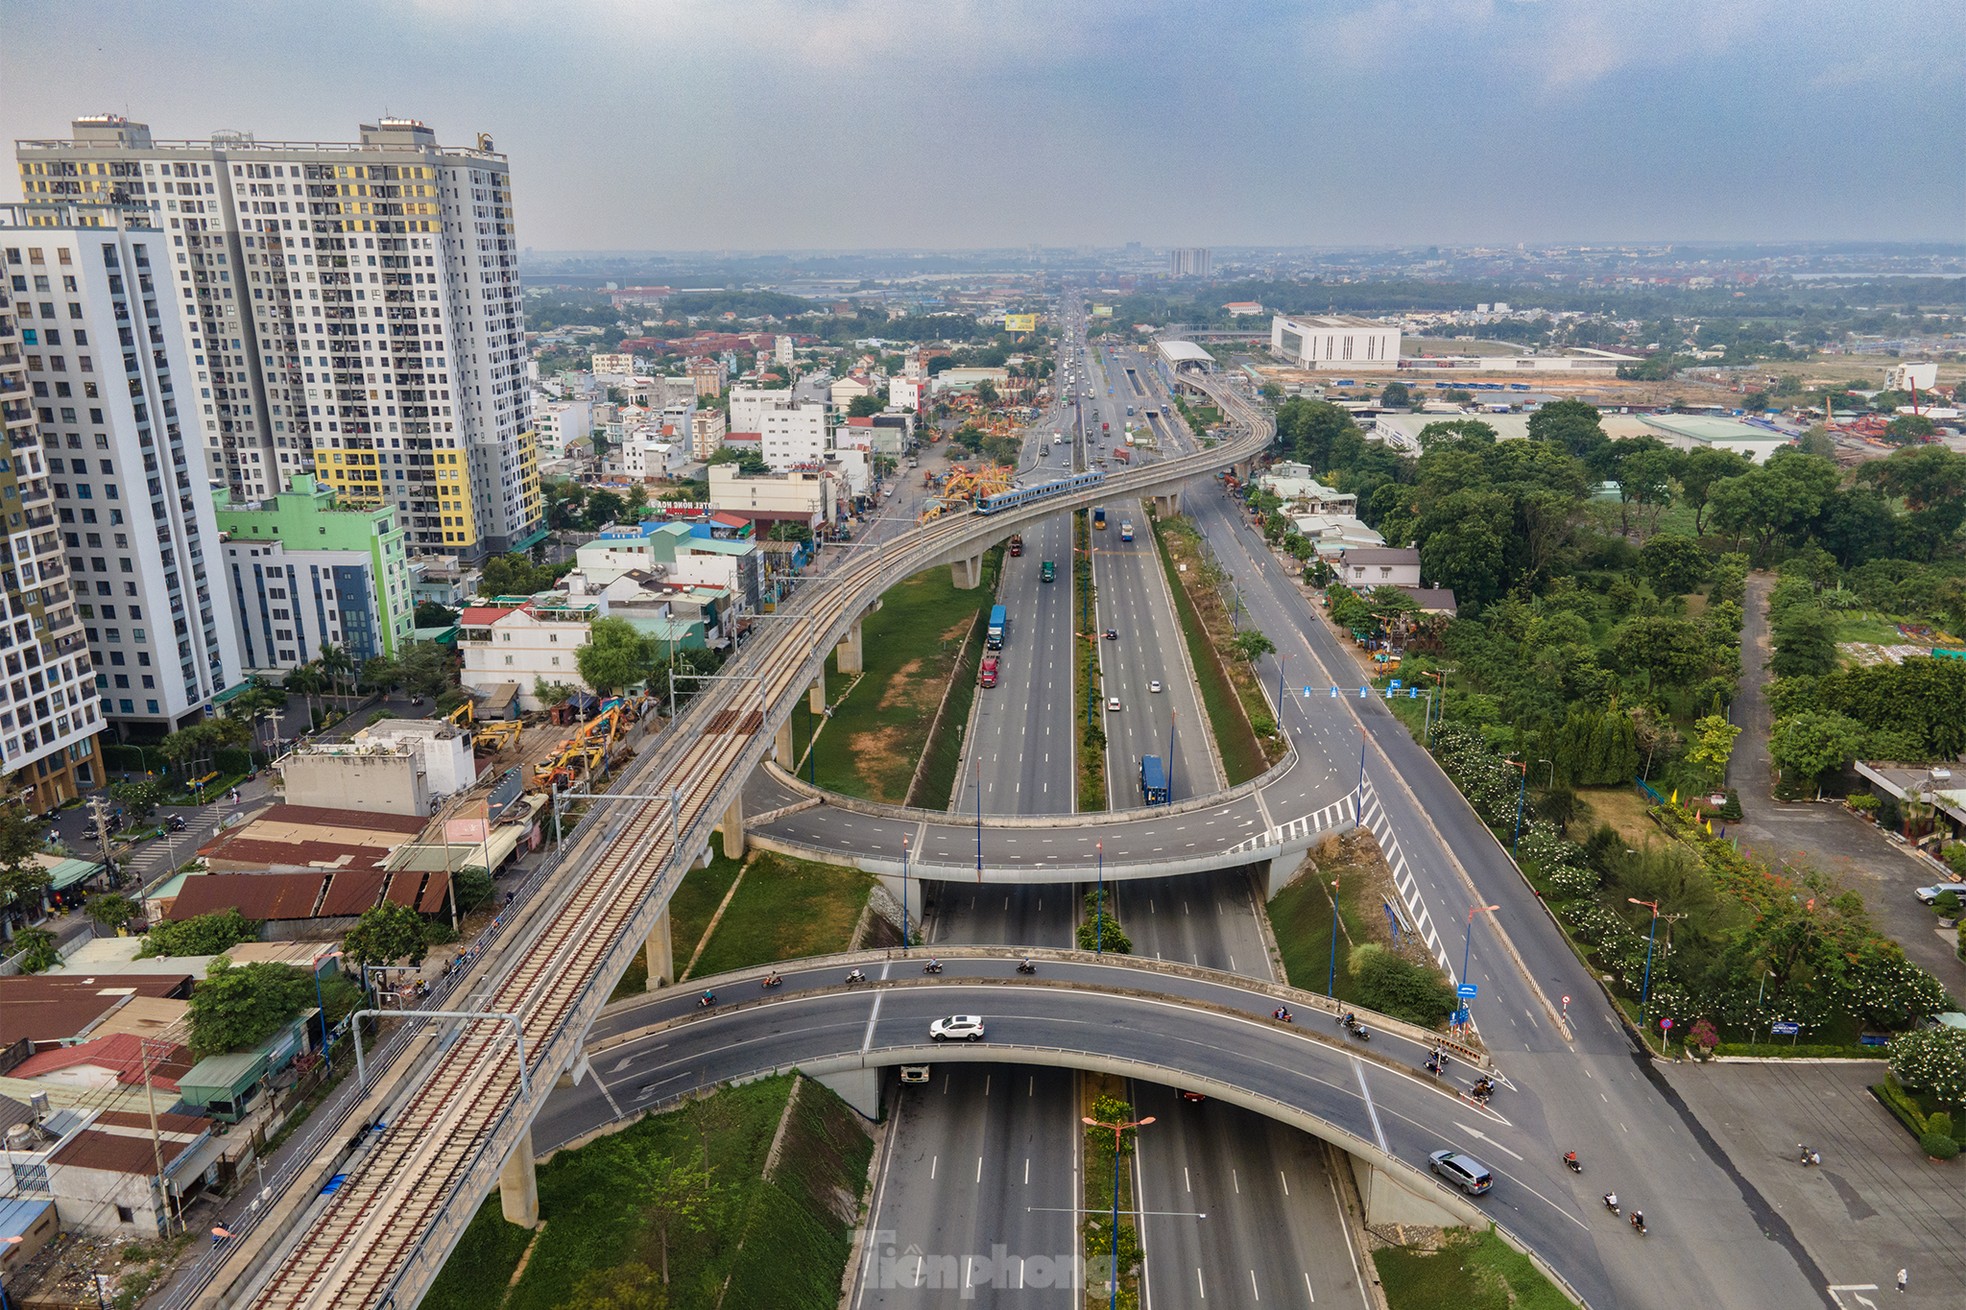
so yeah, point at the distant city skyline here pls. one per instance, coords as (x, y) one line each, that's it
(881, 124)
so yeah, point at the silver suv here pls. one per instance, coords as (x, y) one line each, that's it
(1462, 1171)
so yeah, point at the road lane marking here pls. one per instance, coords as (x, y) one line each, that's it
(1378, 1131)
(934, 1161)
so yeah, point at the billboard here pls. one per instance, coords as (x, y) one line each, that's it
(1020, 322)
(1102, 311)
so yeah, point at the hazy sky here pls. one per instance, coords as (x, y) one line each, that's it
(774, 124)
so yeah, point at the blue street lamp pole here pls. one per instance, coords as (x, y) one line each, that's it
(1467, 939)
(979, 818)
(1113, 1301)
(321, 1008)
(1645, 989)
(1099, 944)
(904, 893)
(1331, 974)
(1522, 794)
(1358, 794)
(1174, 717)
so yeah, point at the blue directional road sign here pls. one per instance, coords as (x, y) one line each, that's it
(1459, 1016)
(1395, 684)
(1784, 1029)
(1466, 991)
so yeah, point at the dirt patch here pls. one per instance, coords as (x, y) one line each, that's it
(876, 756)
(1624, 808)
(901, 688)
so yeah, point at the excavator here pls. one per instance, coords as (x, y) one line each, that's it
(590, 748)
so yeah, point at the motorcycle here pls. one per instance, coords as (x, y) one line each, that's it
(1356, 1029)
(933, 966)
(855, 977)
(771, 981)
(1638, 1220)
(1026, 966)
(1611, 1202)
(175, 823)
(1575, 1165)
(1283, 1016)
(1482, 1090)
(706, 1000)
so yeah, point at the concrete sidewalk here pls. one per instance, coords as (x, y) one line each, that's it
(1875, 1205)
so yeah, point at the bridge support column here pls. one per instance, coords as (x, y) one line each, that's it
(781, 747)
(660, 952)
(859, 1088)
(1388, 1199)
(734, 828)
(518, 1185)
(1167, 504)
(851, 654)
(967, 573)
(911, 896)
(816, 697)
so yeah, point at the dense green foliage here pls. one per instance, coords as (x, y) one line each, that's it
(1400, 988)
(204, 934)
(237, 1006)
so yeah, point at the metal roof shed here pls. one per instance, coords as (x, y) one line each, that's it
(221, 1085)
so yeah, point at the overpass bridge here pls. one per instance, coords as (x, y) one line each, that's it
(455, 1110)
(1194, 1029)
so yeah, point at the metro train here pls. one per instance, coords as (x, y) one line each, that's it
(1016, 496)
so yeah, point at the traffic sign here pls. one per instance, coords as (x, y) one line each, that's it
(1467, 991)
(1566, 1000)
(1784, 1029)
(1395, 684)
(1460, 1016)
(1665, 1025)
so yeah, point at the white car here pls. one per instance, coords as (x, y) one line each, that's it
(1154, 686)
(1938, 889)
(957, 1028)
(1112, 702)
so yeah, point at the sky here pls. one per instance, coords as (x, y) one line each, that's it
(728, 125)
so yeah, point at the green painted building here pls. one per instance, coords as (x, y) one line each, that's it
(305, 571)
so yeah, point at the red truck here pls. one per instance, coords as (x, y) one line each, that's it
(1016, 544)
(988, 677)
(1123, 454)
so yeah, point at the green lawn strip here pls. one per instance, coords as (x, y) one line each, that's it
(591, 1226)
(786, 909)
(690, 909)
(1098, 1203)
(936, 783)
(1088, 727)
(1470, 1271)
(1300, 915)
(1242, 755)
(878, 732)
(801, 1230)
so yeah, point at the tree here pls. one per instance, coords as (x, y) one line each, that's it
(1674, 564)
(1932, 1060)
(1252, 645)
(37, 950)
(1810, 743)
(1397, 987)
(139, 799)
(203, 934)
(603, 507)
(1668, 652)
(307, 681)
(471, 886)
(674, 1195)
(110, 910)
(617, 655)
(237, 1006)
(426, 668)
(379, 673)
(1713, 746)
(1805, 642)
(986, 392)
(1572, 424)
(1396, 396)
(1700, 470)
(867, 406)
(429, 614)
(385, 934)
(1907, 428)
(338, 665)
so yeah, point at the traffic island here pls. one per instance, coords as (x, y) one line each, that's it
(1423, 1268)
(1103, 1106)
(1089, 724)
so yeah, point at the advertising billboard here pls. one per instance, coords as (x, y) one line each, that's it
(1020, 322)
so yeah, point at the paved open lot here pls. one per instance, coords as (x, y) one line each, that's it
(1875, 1205)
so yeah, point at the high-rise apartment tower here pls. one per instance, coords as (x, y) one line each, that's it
(352, 311)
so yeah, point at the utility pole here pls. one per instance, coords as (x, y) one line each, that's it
(156, 1142)
(99, 811)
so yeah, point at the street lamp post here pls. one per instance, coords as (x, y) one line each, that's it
(1331, 973)
(1174, 717)
(1467, 938)
(1440, 680)
(1521, 795)
(1552, 764)
(1114, 1235)
(1645, 988)
(1358, 793)
(904, 894)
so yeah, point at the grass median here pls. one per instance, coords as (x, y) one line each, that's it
(1243, 757)
(1466, 1270)
(743, 1236)
(785, 909)
(912, 645)
(1088, 728)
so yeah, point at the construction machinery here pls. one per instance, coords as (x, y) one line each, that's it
(591, 746)
(491, 738)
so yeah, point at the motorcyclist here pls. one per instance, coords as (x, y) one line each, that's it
(856, 977)
(1611, 1201)
(708, 998)
(1570, 1158)
(1638, 1219)
(1349, 1019)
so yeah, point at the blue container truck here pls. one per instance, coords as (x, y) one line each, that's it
(1153, 781)
(999, 617)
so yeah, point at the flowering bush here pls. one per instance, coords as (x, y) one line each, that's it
(1932, 1060)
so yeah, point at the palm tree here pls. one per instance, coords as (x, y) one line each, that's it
(336, 663)
(308, 681)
